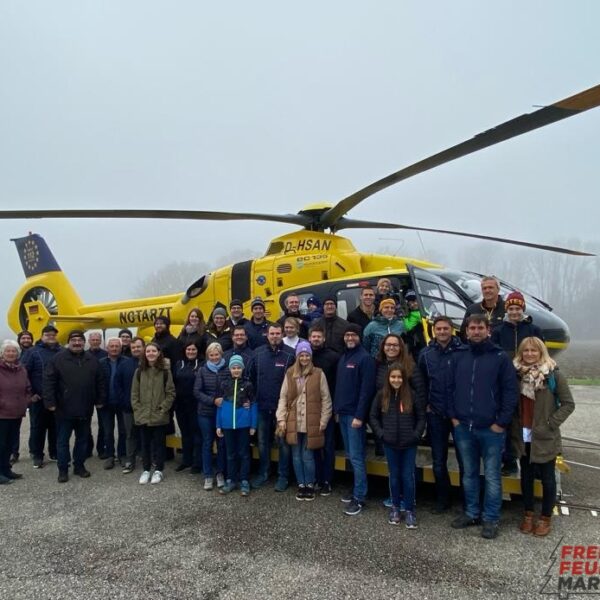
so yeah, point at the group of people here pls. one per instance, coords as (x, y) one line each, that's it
(295, 382)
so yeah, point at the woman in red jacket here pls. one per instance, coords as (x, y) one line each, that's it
(15, 395)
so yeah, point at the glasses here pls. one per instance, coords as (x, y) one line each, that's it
(391, 345)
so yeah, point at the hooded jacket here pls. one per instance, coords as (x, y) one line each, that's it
(508, 335)
(355, 384)
(73, 384)
(266, 372)
(15, 391)
(152, 395)
(238, 409)
(482, 386)
(434, 366)
(379, 327)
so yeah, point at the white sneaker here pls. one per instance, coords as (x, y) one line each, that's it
(220, 480)
(145, 477)
(157, 477)
(208, 484)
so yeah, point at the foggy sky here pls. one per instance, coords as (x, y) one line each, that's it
(269, 107)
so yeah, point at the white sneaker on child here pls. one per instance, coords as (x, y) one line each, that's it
(157, 477)
(220, 480)
(145, 477)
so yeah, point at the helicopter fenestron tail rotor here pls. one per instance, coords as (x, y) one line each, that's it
(325, 217)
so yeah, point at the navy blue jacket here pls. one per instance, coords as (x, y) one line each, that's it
(205, 390)
(245, 352)
(509, 335)
(434, 365)
(355, 384)
(35, 359)
(257, 333)
(113, 396)
(483, 387)
(185, 378)
(123, 381)
(266, 372)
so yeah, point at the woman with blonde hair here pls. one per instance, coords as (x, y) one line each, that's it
(545, 403)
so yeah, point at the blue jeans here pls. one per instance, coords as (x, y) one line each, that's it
(108, 414)
(473, 445)
(208, 427)
(355, 444)
(325, 457)
(64, 428)
(266, 428)
(401, 465)
(304, 461)
(237, 443)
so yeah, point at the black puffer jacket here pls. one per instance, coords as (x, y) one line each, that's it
(205, 390)
(397, 429)
(416, 380)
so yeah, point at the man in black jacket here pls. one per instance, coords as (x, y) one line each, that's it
(365, 311)
(334, 326)
(167, 342)
(492, 306)
(292, 309)
(73, 384)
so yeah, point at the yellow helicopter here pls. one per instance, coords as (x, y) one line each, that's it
(312, 261)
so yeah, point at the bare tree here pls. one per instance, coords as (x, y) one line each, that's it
(170, 278)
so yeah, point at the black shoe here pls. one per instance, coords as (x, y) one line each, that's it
(309, 493)
(463, 521)
(489, 531)
(196, 470)
(52, 458)
(510, 468)
(63, 477)
(81, 471)
(440, 509)
(354, 508)
(109, 463)
(13, 475)
(301, 493)
(38, 463)
(181, 467)
(14, 458)
(325, 489)
(103, 456)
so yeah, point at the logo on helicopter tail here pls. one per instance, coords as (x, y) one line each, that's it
(306, 245)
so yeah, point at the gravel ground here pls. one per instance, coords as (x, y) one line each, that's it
(109, 537)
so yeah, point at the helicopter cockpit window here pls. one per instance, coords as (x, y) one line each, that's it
(274, 248)
(437, 299)
(196, 288)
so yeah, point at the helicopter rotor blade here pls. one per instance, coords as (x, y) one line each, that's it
(356, 224)
(528, 122)
(205, 215)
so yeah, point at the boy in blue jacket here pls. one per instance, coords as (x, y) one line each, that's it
(237, 418)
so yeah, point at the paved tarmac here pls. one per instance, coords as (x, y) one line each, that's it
(109, 537)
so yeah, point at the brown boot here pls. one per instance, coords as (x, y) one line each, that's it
(526, 525)
(542, 527)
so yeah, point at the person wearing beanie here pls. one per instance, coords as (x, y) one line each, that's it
(315, 309)
(303, 413)
(167, 343)
(218, 330)
(237, 420)
(333, 325)
(387, 322)
(25, 340)
(236, 314)
(257, 326)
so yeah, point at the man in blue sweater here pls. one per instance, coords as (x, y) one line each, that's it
(483, 395)
(354, 391)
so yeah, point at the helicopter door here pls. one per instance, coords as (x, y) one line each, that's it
(435, 297)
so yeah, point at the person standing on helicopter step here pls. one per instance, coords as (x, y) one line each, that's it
(415, 338)
(387, 322)
(292, 309)
(364, 313)
(218, 330)
(236, 314)
(385, 290)
(193, 331)
(333, 325)
(491, 305)
(126, 336)
(315, 310)
(258, 325)
(515, 327)
(433, 364)
(41, 421)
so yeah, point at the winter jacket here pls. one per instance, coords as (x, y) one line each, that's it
(238, 409)
(169, 346)
(379, 327)
(397, 429)
(305, 406)
(416, 380)
(334, 327)
(482, 386)
(355, 384)
(185, 338)
(327, 359)
(434, 364)
(124, 380)
(222, 337)
(359, 317)
(550, 410)
(303, 322)
(205, 390)
(257, 333)
(509, 335)
(98, 353)
(244, 351)
(73, 384)
(15, 390)
(113, 397)
(185, 378)
(266, 372)
(152, 395)
(477, 308)
(35, 359)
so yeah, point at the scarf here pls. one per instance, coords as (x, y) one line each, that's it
(215, 367)
(533, 377)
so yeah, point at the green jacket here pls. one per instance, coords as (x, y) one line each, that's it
(546, 442)
(152, 394)
(379, 327)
